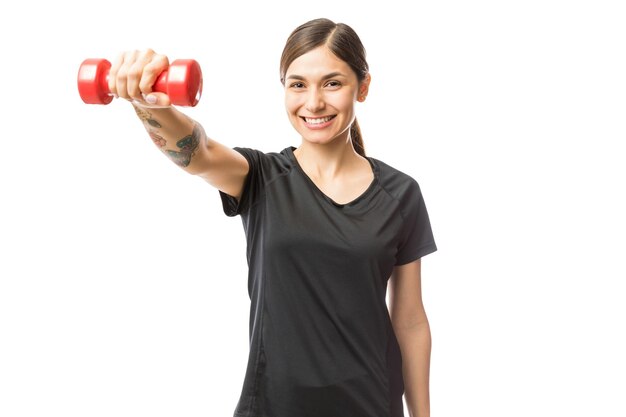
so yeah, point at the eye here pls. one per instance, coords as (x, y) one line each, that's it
(296, 85)
(333, 84)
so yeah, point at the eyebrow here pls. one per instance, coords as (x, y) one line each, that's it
(325, 77)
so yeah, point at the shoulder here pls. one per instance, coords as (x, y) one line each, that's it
(398, 184)
(267, 162)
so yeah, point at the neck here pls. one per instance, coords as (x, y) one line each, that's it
(330, 160)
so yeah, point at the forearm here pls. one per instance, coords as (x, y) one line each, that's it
(415, 345)
(179, 137)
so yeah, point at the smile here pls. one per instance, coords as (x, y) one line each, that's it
(317, 120)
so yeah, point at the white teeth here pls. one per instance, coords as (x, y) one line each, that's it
(318, 120)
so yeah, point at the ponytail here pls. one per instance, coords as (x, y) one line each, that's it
(357, 139)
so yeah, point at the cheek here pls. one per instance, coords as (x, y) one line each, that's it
(344, 103)
(343, 99)
(291, 103)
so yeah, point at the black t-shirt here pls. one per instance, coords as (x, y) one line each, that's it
(321, 340)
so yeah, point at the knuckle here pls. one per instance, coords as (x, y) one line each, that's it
(161, 60)
(129, 56)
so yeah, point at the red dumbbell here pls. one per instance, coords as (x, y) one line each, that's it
(182, 82)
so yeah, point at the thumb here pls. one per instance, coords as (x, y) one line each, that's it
(155, 99)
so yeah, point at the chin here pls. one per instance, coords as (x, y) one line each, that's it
(320, 141)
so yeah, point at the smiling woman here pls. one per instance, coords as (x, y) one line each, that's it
(320, 92)
(311, 45)
(327, 229)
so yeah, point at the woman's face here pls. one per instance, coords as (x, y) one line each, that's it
(320, 92)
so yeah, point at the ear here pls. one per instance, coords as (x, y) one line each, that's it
(364, 87)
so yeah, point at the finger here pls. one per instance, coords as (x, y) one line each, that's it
(113, 73)
(156, 100)
(151, 72)
(135, 73)
(121, 79)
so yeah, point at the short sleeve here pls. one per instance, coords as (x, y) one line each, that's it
(417, 238)
(251, 188)
(263, 169)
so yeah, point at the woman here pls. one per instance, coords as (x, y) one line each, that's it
(327, 228)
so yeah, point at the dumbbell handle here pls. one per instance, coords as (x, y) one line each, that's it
(182, 82)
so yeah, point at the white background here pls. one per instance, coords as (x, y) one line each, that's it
(123, 286)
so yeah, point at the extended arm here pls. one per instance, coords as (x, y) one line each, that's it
(179, 137)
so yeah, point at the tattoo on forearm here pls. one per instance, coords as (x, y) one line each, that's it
(146, 117)
(188, 146)
(157, 139)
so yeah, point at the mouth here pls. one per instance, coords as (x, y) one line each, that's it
(317, 121)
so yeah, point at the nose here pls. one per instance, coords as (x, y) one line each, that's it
(314, 100)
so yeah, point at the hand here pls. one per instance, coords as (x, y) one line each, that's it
(132, 75)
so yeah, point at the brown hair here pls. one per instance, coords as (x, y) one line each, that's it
(342, 41)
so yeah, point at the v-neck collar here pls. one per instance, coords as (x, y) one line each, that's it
(318, 191)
